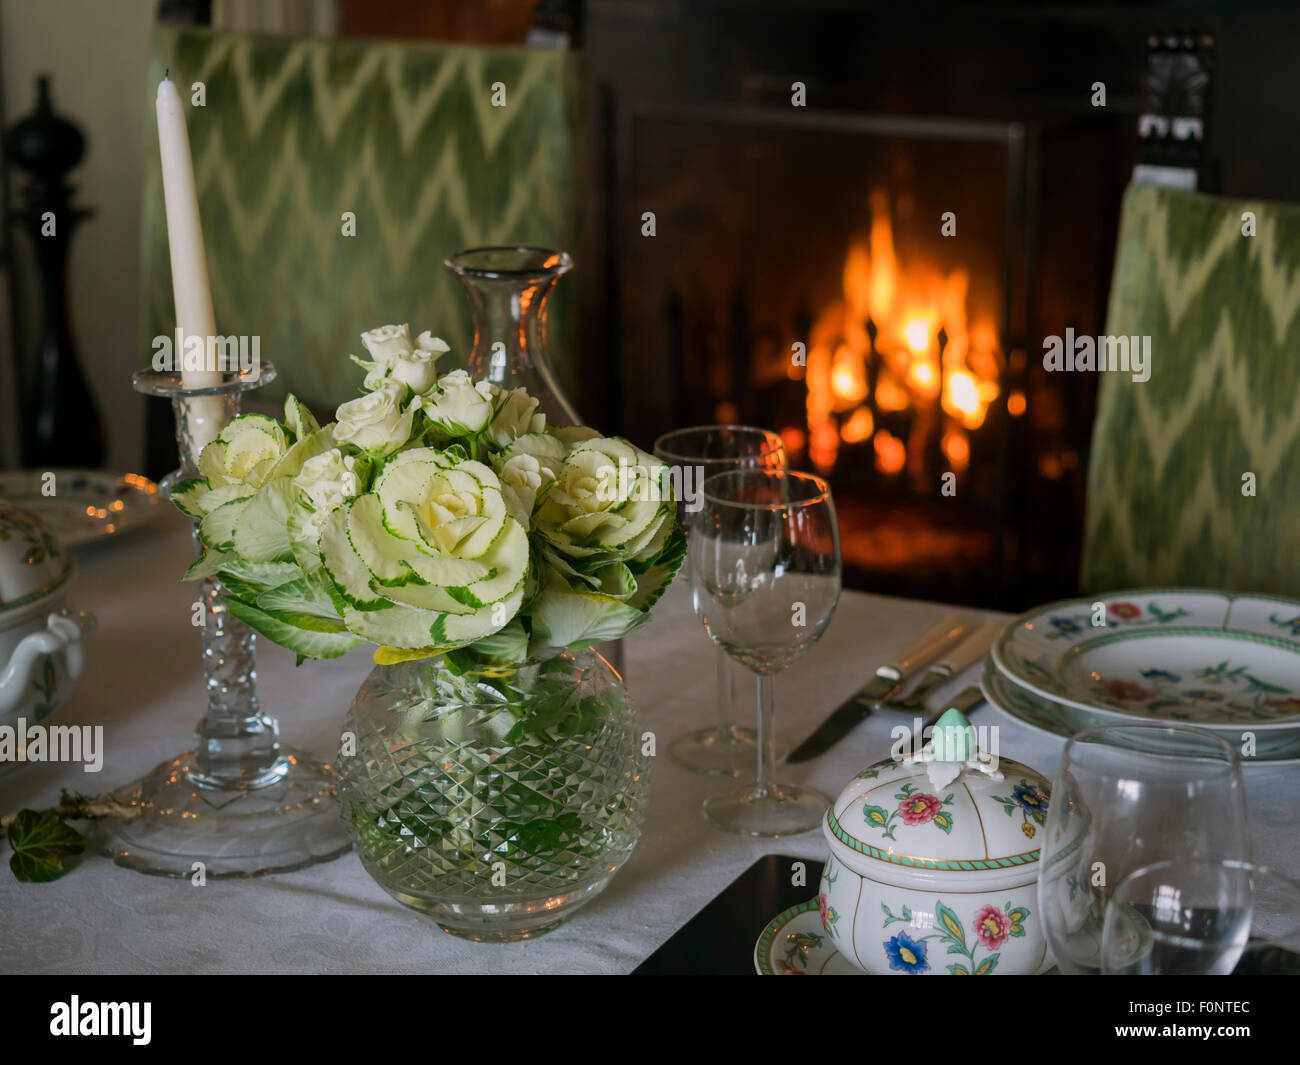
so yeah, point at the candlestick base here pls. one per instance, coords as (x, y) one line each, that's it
(234, 830)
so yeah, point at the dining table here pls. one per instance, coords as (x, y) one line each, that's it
(143, 683)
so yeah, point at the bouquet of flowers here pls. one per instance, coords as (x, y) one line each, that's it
(435, 516)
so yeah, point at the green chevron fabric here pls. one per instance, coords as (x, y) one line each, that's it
(295, 132)
(1169, 499)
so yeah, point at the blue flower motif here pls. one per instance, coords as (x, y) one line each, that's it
(1031, 800)
(1161, 674)
(905, 954)
(1065, 626)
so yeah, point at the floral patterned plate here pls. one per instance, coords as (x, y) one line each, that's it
(1181, 655)
(81, 506)
(794, 943)
(1268, 749)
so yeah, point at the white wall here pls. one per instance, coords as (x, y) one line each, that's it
(96, 52)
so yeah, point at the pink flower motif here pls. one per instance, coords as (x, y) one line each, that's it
(1126, 611)
(821, 905)
(918, 809)
(1127, 690)
(992, 927)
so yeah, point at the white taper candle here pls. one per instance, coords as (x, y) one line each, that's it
(193, 297)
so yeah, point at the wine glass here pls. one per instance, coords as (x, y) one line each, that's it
(699, 452)
(1185, 917)
(1126, 797)
(764, 556)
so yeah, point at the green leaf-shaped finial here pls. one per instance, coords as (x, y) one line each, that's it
(953, 738)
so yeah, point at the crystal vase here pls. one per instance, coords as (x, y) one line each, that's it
(497, 801)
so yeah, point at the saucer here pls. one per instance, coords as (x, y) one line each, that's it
(794, 943)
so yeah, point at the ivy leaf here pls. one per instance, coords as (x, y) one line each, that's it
(41, 841)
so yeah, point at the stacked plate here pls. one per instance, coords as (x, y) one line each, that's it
(1227, 663)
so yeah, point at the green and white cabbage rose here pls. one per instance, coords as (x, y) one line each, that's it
(436, 515)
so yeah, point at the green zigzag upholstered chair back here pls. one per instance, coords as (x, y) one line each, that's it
(1166, 505)
(295, 132)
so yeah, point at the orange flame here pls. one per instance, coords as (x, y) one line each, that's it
(909, 306)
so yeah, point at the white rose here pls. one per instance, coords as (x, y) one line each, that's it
(328, 480)
(386, 345)
(521, 479)
(515, 417)
(387, 342)
(428, 342)
(417, 369)
(376, 422)
(459, 407)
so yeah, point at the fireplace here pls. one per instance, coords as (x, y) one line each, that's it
(958, 464)
(848, 281)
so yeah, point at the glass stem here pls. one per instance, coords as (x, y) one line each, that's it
(726, 693)
(236, 746)
(766, 736)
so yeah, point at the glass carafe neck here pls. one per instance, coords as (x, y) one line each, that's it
(508, 289)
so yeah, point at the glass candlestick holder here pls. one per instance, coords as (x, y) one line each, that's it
(239, 801)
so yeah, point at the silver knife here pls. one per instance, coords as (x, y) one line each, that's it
(888, 680)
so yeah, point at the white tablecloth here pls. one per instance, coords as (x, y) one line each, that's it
(143, 683)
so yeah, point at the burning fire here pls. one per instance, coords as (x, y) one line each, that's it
(946, 385)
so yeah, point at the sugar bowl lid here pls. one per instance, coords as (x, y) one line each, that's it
(952, 810)
(32, 562)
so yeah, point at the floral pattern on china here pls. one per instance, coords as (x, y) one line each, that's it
(32, 562)
(944, 844)
(993, 926)
(1221, 692)
(1180, 655)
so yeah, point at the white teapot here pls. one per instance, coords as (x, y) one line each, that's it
(934, 862)
(41, 650)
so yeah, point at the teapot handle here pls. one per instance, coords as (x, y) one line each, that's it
(61, 633)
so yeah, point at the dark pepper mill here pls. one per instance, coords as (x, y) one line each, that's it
(60, 426)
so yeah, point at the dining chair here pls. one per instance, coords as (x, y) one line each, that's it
(334, 176)
(1194, 476)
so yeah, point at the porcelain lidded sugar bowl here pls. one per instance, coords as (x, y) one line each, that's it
(41, 651)
(934, 862)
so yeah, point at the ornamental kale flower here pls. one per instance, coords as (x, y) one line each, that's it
(432, 516)
(429, 558)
